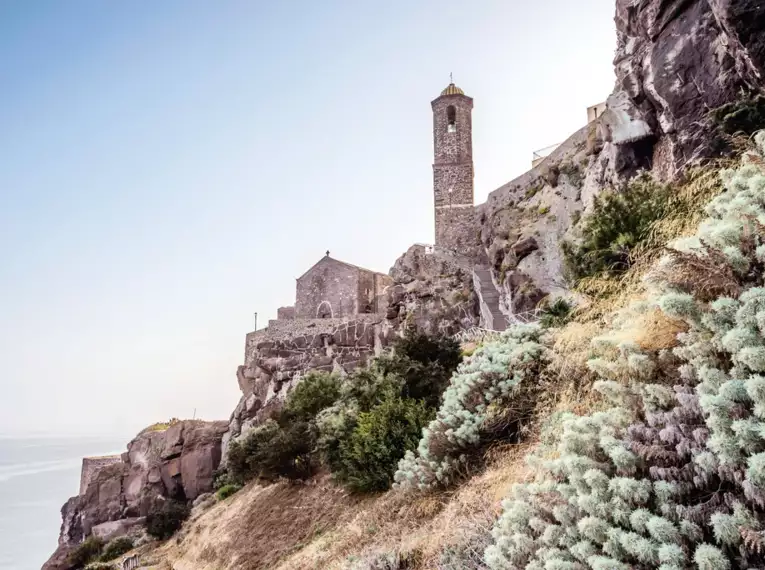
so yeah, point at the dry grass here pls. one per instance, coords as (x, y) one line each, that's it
(302, 527)
(707, 276)
(160, 426)
(654, 331)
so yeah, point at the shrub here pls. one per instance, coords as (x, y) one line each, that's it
(101, 566)
(369, 456)
(744, 116)
(619, 221)
(573, 172)
(668, 478)
(425, 364)
(555, 314)
(318, 390)
(269, 451)
(392, 561)
(496, 372)
(116, 547)
(164, 521)
(320, 416)
(87, 551)
(226, 491)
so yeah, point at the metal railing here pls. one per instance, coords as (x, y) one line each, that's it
(476, 334)
(546, 151)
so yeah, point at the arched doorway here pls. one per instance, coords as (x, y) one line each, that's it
(324, 311)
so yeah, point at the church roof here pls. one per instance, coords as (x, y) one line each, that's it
(452, 89)
(351, 265)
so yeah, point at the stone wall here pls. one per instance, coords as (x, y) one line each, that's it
(278, 357)
(287, 329)
(92, 464)
(285, 313)
(457, 230)
(329, 288)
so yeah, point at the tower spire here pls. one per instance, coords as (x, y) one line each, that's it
(451, 79)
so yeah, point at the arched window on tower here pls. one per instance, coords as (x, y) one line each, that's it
(451, 119)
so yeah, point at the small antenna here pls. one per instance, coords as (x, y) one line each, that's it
(451, 79)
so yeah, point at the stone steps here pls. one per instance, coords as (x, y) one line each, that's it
(489, 297)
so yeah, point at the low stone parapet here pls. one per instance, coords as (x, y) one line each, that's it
(90, 465)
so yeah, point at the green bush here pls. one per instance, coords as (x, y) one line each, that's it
(424, 363)
(101, 566)
(270, 451)
(743, 116)
(368, 458)
(226, 491)
(116, 547)
(617, 224)
(555, 314)
(164, 521)
(221, 478)
(318, 390)
(321, 416)
(87, 551)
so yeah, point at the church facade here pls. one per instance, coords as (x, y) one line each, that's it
(333, 289)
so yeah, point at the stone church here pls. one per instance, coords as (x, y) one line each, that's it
(337, 289)
(333, 289)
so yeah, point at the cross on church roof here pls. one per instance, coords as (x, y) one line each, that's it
(327, 253)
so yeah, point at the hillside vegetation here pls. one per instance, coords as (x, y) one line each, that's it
(631, 437)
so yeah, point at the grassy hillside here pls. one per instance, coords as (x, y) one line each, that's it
(631, 437)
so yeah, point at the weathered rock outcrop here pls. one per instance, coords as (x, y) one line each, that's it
(277, 358)
(176, 463)
(677, 60)
(433, 292)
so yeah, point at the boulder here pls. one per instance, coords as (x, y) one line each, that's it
(114, 529)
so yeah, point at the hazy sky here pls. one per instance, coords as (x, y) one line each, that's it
(168, 168)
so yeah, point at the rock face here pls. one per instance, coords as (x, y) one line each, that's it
(278, 357)
(433, 292)
(176, 463)
(675, 61)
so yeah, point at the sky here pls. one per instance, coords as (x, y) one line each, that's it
(169, 168)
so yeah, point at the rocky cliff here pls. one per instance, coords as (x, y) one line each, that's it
(173, 463)
(677, 61)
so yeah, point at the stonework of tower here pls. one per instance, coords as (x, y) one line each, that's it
(453, 171)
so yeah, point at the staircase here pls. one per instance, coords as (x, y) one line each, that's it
(488, 297)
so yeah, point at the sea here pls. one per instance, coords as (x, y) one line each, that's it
(37, 476)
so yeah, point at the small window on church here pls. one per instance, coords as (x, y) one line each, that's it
(451, 119)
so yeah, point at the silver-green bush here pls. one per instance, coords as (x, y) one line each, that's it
(492, 375)
(672, 478)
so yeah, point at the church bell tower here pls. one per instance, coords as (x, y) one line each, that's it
(453, 171)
